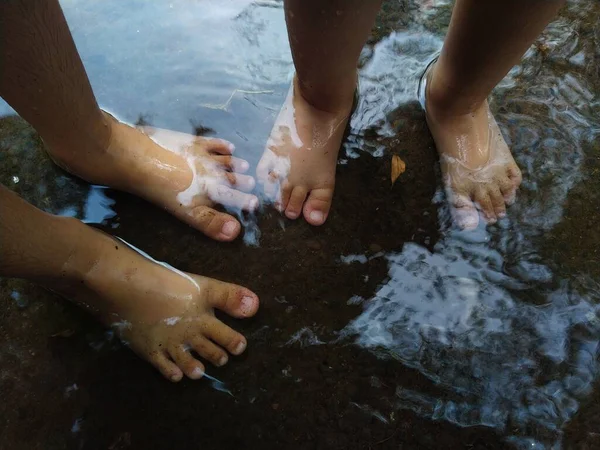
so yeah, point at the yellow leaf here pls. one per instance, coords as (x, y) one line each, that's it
(398, 168)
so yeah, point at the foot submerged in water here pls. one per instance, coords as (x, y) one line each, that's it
(184, 174)
(478, 169)
(297, 169)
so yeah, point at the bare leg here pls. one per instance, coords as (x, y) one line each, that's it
(298, 166)
(484, 41)
(43, 79)
(158, 311)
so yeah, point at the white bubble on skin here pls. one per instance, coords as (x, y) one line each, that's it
(171, 320)
(211, 183)
(198, 185)
(287, 120)
(160, 263)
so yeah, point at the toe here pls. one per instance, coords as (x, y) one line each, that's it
(228, 338)
(286, 192)
(508, 190)
(482, 198)
(227, 196)
(235, 300)
(231, 163)
(193, 368)
(272, 188)
(244, 183)
(317, 206)
(514, 173)
(169, 369)
(209, 351)
(294, 206)
(216, 145)
(263, 168)
(464, 212)
(214, 224)
(497, 201)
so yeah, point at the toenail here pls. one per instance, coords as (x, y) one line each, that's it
(247, 305)
(291, 214)
(502, 215)
(244, 165)
(240, 348)
(197, 373)
(253, 203)
(222, 361)
(229, 228)
(175, 377)
(316, 216)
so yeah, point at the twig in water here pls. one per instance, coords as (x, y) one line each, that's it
(224, 106)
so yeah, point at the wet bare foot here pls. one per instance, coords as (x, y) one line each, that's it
(298, 166)
(478, 170)
(164, 315)
(184, 174)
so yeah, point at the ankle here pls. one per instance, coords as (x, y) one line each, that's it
(447, 99)
(92, 139)
(328, 100)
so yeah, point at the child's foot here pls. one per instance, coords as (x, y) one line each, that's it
(298, 166)
(478, 170)
(184, 174)
(161, 313)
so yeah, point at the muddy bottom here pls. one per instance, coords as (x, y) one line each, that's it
(384, 328)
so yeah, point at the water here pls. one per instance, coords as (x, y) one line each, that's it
(388, 326)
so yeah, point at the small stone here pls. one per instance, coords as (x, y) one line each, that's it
(375, 248)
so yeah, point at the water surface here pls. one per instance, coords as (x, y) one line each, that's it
(387, 326)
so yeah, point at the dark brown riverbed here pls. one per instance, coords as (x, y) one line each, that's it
(384, 329)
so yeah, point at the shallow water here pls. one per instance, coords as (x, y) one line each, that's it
(387, 326)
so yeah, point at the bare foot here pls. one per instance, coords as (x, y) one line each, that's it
(161, 313)
(298, 166)
(184, 174)
(478, 170)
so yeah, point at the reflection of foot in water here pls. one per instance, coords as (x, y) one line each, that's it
(161, 313)
(185, 174)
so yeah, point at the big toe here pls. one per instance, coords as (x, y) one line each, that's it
(316, 208)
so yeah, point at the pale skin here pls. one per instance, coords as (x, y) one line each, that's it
(484, 40)
(165, 316)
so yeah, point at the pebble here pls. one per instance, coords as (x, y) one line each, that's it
(375, 248)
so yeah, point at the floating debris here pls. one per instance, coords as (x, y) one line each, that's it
(398, 168)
